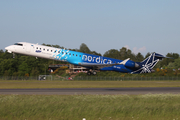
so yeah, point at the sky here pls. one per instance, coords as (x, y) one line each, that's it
(139, 25)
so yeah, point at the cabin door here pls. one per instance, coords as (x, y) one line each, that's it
(27, 47)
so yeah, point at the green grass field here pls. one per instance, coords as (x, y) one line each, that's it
(84, 84)
(91, 107)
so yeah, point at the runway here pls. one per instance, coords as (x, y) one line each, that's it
(92, 91)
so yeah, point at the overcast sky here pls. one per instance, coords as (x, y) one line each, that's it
(140, 25)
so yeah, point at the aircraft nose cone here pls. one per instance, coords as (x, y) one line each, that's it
(6, 48)
(9, 49)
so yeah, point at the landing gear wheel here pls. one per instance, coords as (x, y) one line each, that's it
(13, 55)
(88, 73)
(94, 72)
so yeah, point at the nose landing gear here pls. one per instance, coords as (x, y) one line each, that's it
(13, 55)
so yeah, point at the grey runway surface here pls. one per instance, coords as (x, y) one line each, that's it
(102, 91)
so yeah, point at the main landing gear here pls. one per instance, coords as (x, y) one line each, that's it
(92, 72)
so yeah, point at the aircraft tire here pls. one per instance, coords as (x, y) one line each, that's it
(88, 73)
(94, 72)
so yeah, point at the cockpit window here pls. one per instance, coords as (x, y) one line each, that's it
(18, 44)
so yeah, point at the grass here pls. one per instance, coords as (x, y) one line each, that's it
(91, 107)
(84, 84)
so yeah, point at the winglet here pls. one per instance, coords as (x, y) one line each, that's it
(124, 61)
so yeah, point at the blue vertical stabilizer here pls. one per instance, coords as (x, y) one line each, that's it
(148, 64)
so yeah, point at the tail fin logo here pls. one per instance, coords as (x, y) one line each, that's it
(148, 64)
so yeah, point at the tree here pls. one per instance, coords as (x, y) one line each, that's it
(34, 72)
(172, 56)
(130, 54)
(171, 65)
(113, 53)
(7, 55)
(8, 65)
(1, 53)
(23, 68)
(84, 48)
(95, 53)
(166, 61)
(148, 54)
(177, 63)
(123, 53)
(6, 73)
(139, 57)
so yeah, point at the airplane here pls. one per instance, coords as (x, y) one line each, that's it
(92, 62)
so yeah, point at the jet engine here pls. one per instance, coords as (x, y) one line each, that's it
(131, 64)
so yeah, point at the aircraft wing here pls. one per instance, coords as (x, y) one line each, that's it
(96, 65)
(99, 66)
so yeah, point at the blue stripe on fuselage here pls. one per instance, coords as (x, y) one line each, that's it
(75, 58)
(72, 57)
(78, 57)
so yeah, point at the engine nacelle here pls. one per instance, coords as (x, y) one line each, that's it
(131, 64)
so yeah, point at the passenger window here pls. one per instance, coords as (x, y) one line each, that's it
(76, 55)
(79, 55)
(73, 54)
(62, 52)
(43, 49)
(51, 50)
(47, 49)
(58, 51)
(37, 48)
(69, 53)
(40, 48)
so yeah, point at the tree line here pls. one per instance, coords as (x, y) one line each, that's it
(23, 65)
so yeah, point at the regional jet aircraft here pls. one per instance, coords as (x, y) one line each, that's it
(92, 62)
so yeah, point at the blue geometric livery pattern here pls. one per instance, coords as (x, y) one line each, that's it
(148, 64)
